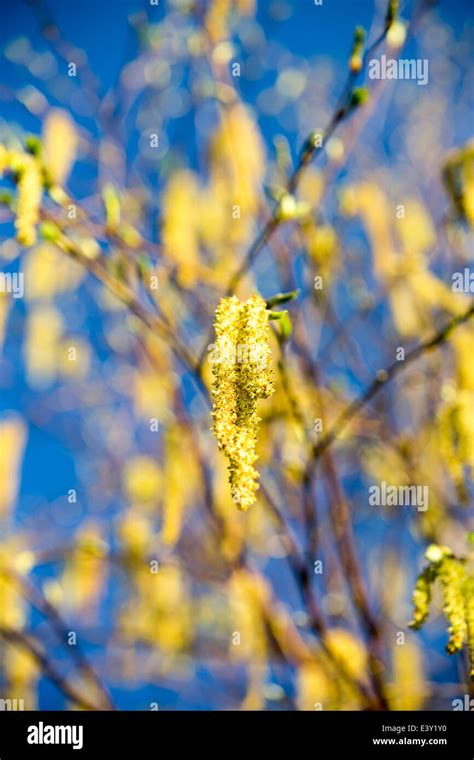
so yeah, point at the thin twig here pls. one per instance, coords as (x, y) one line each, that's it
(52, 615)
(310, 150)
(65, 687)
(383, 377)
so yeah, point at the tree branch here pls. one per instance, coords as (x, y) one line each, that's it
(384, 376)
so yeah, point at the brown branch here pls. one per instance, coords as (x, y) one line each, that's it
(65, 687)
(342, 529)
(311, 148)
(51, 614)
(308, 153)
(384, 376)
(300, 570)
(156, 324)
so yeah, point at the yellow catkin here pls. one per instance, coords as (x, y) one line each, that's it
(178, 492)
(457, 582)
(28, 174)
(249, 637)
(400, 255)
(12, 445)
(49, 272)
(44, 332)
(408, 688)
(84, 574)
(142, 481)
(349, 651)
(4, 312)
(153, 400)
(219, 16)
(242, 374)
(180, 219)
(469, 605)
(21, 672)
(247, 596)
(60, 144)
(4, 159)
(452, 575)
(319, 685)
(216, 20)
(245, 7)
(237, 166)
(135, 536)
(12, 602)
(422, 597)
(160, 610)
(314, 687)
(30, 188)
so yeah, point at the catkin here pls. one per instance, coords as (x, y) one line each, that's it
(422, 597)
(241, 375)
(30, 187)
(457, 583)
(469, 604)
(452, 576)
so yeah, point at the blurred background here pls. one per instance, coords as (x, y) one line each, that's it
(167, 132)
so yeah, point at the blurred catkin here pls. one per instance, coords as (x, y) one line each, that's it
(30, 186)
(13, 434)
(28, 174)
(60, 141)
(181, 214)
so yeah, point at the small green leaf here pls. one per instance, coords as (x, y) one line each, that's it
(359, 34)
(392, 12)
(111, 202)
(359, 96)
(6, 198)
(283, 155)
(50, 231)
(144, 267)
(33, 145)
(286, 327)
(282, 298)
(314, 141)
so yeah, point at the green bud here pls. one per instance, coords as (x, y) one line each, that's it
(285, 325)
(315, 139)
(111, 202)
(359, 96)
(359, 35)
(50, 232)
(144, 266)
(392, 12)
(33, 145)
(356, 59)
(282, 298)
(6, 198)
